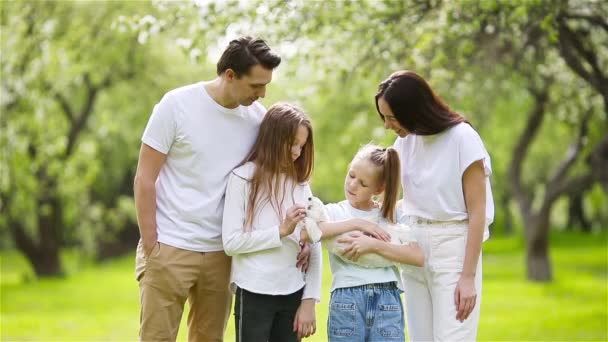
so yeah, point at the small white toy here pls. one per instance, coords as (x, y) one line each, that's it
(315, 213)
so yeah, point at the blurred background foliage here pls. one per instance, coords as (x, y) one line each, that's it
(79, 80)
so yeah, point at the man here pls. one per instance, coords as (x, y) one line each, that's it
(195, 136)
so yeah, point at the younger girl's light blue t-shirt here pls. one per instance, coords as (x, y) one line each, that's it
(349, 275)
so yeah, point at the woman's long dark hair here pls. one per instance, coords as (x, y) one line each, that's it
(415, 105)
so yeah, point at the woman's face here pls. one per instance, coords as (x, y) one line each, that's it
(390, 121)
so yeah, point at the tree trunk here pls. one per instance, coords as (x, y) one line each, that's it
(508, 219)
(47, 263)
(123, 243)
(50, 221)
(126, 239)
(576, 214)
(537, 247)
(43, 254)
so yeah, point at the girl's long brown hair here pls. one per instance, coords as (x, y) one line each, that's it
(386, 160)
(415, 105)
(271, 154)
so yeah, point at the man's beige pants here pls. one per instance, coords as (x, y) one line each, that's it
(169, 276)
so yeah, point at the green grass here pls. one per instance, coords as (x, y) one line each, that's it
(100, 302)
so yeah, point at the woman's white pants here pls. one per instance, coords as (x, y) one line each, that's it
(429, 290)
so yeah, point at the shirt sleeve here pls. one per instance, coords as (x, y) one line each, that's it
(471, 149)
(330, 212)
(313, 276)
(234, 238)
(161, 129)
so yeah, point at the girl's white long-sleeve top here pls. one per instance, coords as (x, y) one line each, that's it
(262, 262)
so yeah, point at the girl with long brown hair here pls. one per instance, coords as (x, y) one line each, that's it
(365, 302)
(447, 200)
(265, 199)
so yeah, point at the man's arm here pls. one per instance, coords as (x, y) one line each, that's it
(148, 168)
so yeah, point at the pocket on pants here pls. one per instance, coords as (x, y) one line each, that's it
(390, 321)
(447, 252)
(341, 319)
(141, 260)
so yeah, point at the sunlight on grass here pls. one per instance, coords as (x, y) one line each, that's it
(100, 303)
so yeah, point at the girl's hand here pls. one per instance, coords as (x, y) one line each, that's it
(374, 230)
(465, 297)
(294, 215)
(305, 323)
(303, 256)
(357, 244)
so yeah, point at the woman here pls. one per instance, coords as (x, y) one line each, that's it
(447, 200)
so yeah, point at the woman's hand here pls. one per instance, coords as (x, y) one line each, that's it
(465, 297)
(373, 230)
(294, 215)
(305, 323)
(356, 244)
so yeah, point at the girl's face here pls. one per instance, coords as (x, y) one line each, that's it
(299, 142)
(361, 183)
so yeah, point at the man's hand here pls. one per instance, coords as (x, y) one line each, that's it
(148, 246)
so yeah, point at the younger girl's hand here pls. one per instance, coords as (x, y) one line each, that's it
(374, 230)
(356, 244)
(294, 215)
(305, 323)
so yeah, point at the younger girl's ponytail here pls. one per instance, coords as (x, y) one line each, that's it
(392, 176)
(387, 160)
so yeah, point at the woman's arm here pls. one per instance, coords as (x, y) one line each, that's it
(474, 187)
(359, 244)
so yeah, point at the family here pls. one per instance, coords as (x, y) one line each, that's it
(222, 185)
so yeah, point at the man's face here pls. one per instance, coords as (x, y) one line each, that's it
(251, 86)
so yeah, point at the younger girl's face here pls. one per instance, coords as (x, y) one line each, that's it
(299, 142)
(362, 182)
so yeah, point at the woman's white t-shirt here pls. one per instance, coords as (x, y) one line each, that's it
(431, 173)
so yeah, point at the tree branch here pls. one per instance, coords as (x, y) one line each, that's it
(569, 43)
(533, 124)
(595, 20)
(86, 111)
(577, 184)
(572, 154)
(598, 161)
(65, 105)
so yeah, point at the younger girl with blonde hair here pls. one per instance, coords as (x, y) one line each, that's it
(365, 303)
(265, 199)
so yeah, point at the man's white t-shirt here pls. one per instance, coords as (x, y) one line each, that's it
(431, 173)
(203, 142)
